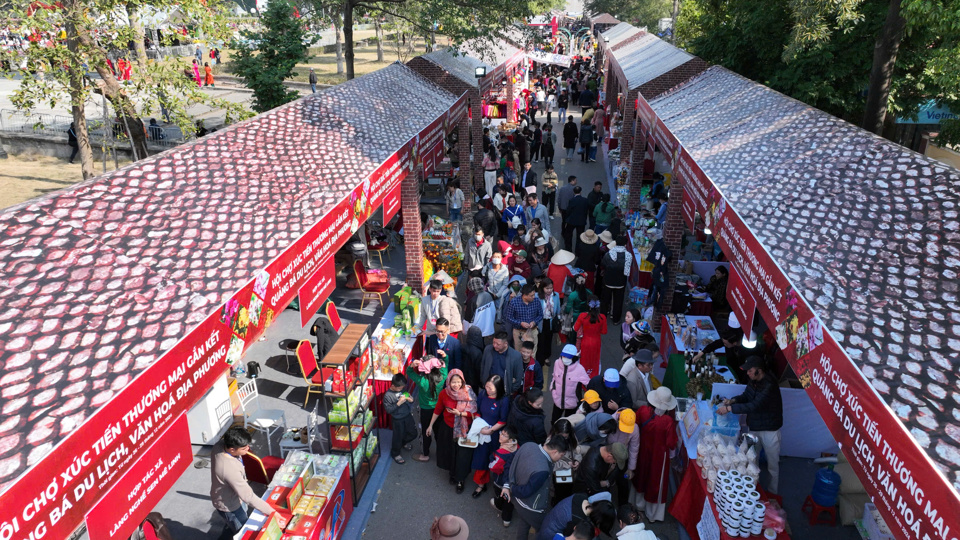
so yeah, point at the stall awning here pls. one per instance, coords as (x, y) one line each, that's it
(646, 58)
(604, 18)
(124, 295)
(850, 246)
(617, 34)
(550, 58)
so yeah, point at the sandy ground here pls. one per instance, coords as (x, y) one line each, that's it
(25, 177)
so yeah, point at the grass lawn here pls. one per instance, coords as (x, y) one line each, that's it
(25, 177)
(325, 64)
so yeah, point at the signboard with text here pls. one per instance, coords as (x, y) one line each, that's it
(316, 290)
(741, 300)
(391, 204)
(119, 513)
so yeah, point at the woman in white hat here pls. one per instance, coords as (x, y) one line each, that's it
(658, 439)
(560, 269)
(539, 257)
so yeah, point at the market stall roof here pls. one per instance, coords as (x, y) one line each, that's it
(866, 230)
(604, 18)
(460, 65)
(617, 34)
(101, 279)
(648, 57)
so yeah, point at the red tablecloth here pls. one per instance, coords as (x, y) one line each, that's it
(687, 504)
(380, 388)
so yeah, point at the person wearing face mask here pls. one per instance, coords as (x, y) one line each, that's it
(498, 278)
(479, 250)
(568, 378)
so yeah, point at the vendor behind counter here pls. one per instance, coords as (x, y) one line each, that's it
(736, 354)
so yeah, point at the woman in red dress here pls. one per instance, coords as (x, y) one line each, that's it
(658, 440)
(457, 405)
(589, 327)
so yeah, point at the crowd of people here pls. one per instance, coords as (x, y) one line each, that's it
(530, 325)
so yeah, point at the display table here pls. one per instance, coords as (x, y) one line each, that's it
(676, 376)
(400, 346)
(671, 342)
(312, 497)
(688, 505)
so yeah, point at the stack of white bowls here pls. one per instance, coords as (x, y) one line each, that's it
(738, 502)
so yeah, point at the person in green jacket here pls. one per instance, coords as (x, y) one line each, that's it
(429, 385)
(604, 213)
(576, 303)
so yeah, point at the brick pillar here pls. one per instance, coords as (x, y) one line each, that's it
(672, 235)
(466, 167)
(635, 146)
(511, 110)
(412, 231)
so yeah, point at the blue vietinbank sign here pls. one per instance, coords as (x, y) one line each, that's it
(930, 113)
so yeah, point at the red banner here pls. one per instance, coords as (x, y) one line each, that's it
(51, 499)
(126, 505)
(645, 111)
(915, 499)
(742, 302)
(688, 208)
(695, 182)
(316, 290)
(668, 145)
(391, 204)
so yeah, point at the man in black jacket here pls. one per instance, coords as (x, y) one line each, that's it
(600, 468)
(593, 199)
(613, 390)
(576, 219)
(762, 404)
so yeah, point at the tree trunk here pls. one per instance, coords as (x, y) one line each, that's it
(673, 21)
(379, 28)
(348, 36)
(881, 73)
(336, 29)
(433, 39)
(77, 96)
(133, 15)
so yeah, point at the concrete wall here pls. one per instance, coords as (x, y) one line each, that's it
(21, 143)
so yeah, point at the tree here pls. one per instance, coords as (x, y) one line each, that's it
(459, 20)
(269, 56)
(827, 53)
(70, 60)
(925, 31)
(637, 12)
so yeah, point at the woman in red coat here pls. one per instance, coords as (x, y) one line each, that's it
(457, 404)
(658, 440)
(590, 326)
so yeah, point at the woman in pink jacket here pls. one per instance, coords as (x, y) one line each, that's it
(568, 376)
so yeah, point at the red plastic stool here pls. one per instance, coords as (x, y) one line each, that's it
(816, 512)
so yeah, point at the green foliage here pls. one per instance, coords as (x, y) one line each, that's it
(636, 12)
(826, 60)
(107, 20)
(269, 56)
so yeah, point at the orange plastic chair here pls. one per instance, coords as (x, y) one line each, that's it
(371, 291)
(312, 374)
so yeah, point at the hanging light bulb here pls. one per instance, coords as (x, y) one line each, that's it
(706, 224)
(749, 341)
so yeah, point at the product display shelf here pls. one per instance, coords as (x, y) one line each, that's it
(350, 362)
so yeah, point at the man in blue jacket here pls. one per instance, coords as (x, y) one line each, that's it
(763, 405)
(443, 346)
(528, 484)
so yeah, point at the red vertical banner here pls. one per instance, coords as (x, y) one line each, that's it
(121, 510)
(391, 204)
(742, 301)
(688, 208)
(316, 290)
